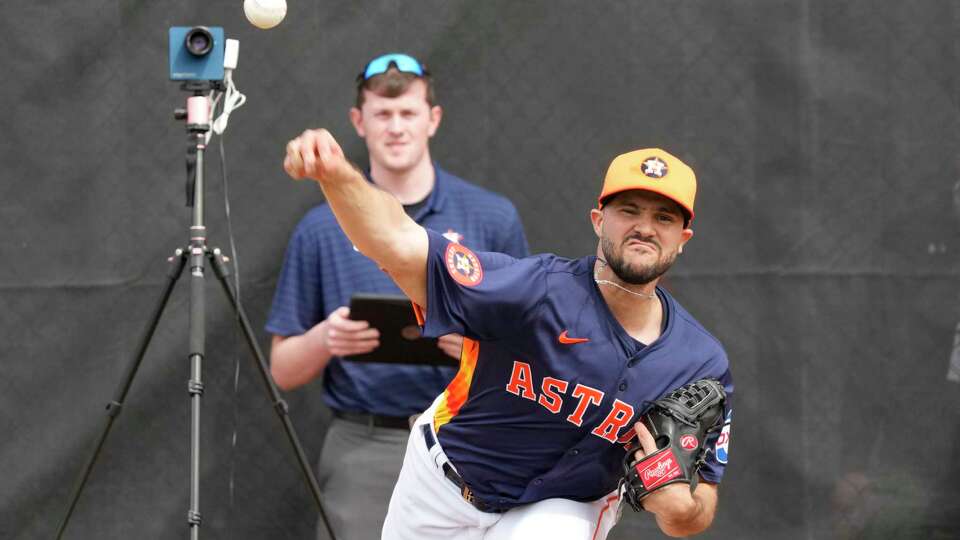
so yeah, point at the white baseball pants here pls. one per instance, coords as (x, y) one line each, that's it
(427, 506)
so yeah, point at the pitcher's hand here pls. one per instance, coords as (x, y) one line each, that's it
(669, 501)
(315, 154)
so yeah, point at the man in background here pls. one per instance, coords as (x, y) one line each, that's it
(396, 115)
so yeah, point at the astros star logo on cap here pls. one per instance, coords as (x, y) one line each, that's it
(655, 167)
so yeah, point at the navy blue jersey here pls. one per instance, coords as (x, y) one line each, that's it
(550, 384)
(321, 270)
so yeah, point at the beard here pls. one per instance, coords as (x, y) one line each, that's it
(634, 274)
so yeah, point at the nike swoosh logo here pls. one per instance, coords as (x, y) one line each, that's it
(570, 340)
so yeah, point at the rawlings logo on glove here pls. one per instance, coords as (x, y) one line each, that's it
(662, 468)
(680, 423)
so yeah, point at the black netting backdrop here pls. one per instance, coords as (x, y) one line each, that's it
(826, 254)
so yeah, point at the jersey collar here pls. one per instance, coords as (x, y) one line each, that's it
(631, 344)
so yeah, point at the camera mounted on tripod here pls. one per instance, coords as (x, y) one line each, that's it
(197, 54)
(199, 57)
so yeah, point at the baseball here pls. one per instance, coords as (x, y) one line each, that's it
(265, 13)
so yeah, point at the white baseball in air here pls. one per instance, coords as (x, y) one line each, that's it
(265, 13)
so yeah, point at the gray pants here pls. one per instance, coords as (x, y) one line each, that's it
(359, 466)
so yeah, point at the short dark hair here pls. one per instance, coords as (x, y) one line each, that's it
(392, 84)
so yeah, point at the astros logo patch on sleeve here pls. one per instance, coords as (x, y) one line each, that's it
(463, 265)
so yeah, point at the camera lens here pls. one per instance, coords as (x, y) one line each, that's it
(199, 41)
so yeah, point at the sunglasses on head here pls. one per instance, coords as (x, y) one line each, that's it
(403, 62)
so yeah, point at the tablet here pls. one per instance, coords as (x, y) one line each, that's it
(400, 341)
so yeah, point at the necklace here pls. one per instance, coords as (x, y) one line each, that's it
(598, 281)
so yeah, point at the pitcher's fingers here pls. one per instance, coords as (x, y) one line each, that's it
(292, 171)
(308, 152)
(647, 442)
(326, 149)
(293, 163)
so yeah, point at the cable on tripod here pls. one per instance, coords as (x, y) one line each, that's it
(232, 100)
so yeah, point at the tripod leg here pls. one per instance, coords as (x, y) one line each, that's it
(279, 404)
(195, 384)
(115, 406)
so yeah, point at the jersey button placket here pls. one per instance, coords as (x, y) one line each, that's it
(623, 386)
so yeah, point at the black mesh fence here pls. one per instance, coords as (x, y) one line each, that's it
(826, 254)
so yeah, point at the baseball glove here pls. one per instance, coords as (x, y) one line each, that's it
(680, 422)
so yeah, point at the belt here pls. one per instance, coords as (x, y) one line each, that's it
(453, 476)
(374, 420)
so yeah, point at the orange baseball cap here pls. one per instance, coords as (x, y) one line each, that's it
(654, 170)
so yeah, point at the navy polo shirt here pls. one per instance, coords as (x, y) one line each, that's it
(322, 270)
(550, 384)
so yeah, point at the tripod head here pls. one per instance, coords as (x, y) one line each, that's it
(196, 89)
(197, 116)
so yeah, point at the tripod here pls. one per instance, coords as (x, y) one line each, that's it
(197, 253)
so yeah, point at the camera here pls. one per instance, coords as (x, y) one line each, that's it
(196, 53)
